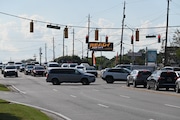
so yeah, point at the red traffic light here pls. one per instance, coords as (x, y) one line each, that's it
(159, 38)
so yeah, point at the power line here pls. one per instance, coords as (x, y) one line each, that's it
(76, 26)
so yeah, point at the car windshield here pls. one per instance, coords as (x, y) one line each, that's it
(10, 67)
(29, 66)
(53, 65)
(39, 68)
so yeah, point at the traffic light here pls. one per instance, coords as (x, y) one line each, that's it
(52, 26)
(159, 38)
(106, 38)
(87, 39)
(137, 35)
(132, 39)
(96, 34)
(66, 32)
(31, 26)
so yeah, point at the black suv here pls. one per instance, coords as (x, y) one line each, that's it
(138, 77)
(162, 79)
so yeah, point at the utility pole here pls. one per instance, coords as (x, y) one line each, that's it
(88, 34)
(40, 53)
(167, 22)
(120, 59)
(45, 52)
(73, 43)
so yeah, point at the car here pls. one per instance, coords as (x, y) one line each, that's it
(65, 65)
(18, 64)
(10, 70)
(51, 65)
(69, 75)
(28, 69)
(38, 70)
(2, 69)
(162, 79)
(138, 77)
(115, 74)
(177, 89)
(22, 67)
(91, 69)
(82, 68)
(176, 69)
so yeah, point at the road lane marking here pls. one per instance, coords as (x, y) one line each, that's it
(174, 106)
(18, 89)
(105, 106)
(124, 96)
(55, 90)
(73, 96)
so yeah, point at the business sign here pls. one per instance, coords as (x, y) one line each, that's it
(151, 55)
(100, 46)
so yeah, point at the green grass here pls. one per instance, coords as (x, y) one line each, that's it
(3, 88)
(11, 111)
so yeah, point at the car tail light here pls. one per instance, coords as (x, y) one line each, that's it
(176, 78)
(160, 78)
(47, 75)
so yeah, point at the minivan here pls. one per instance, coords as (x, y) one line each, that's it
(69, 75)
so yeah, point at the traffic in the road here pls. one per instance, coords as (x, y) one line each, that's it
(100, 100)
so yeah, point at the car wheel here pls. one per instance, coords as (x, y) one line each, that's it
(109, 79)
(167, 88)
(134, 84)
(156, 86)
(127, 83)
(148, 86)
(85, 81)
(177, 88)
(55, 81)
(145, 85)
(4, 75)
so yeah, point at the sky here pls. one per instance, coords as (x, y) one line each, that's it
(17, 43)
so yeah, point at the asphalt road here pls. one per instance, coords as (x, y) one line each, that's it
(97, 101)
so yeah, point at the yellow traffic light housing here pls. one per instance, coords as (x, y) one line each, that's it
(66, 32)
(96, 34)
(137, 35)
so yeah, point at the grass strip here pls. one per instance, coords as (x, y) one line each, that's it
(11, 111)
(3, 88)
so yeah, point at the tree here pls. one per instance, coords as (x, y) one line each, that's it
(176, 39)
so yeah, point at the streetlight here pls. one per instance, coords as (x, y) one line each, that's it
(132, 42)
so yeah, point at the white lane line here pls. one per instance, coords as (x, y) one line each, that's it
(174, 106)
(95, 89)
(124, 96)
(105, 106)
(18, 89)
(55, 90)
(73, 96)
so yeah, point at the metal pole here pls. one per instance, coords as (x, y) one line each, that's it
(120, 60)
(88, 34)
(165, 51)
(73, 42)
(63, 44)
